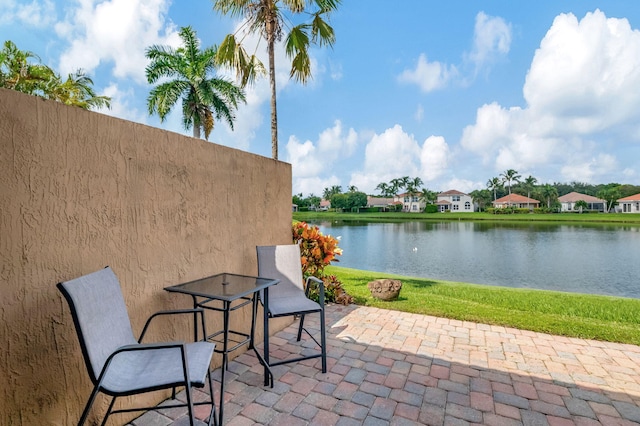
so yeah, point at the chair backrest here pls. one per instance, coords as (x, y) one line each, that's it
(281, 262)
(100, 316)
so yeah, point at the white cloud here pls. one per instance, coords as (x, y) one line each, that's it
(419, 114)
(34, 14)
(429, 76)
(309, 159)
(394, 154)
(434, 158)
(585, 171)
(462, 185)
(580, 92)
(585, 74)
(332, 143)
(491, 40)
(335, 71)
(115, 31)
(314, 185)
(121, 104)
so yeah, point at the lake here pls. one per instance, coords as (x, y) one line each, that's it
(580, 258)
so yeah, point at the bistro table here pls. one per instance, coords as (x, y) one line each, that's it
(226, 293)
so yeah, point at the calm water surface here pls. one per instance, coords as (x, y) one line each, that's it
(596, 259)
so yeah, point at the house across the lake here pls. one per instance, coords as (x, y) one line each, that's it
(569, 201)
(516, 200)
(380, 202)
(455, 201)
(413, 203)
(630, 204)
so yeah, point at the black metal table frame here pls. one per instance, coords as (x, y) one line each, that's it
(207, 302)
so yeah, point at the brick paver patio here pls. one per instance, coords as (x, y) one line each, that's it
(393, 368)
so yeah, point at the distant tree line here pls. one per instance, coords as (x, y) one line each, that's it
(511, 182)
(508, 182)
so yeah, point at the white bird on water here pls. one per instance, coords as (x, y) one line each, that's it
(415, 249)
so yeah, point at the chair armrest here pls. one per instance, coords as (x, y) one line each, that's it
(172, 312)
(146, 347)
(320, 286)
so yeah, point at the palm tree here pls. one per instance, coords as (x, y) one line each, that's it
(494, 184)
(529, 184)
(385, 189)
(188, 69)
(76, 90)
(353, 188)
(330, 192)
(396, 185)
(415, 183)
(17, 72)
(412, 186)
(267, 19)
(510, 176)
(481, 197)
(429, 196)
(549, 192)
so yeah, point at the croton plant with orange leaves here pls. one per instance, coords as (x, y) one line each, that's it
(317, 251)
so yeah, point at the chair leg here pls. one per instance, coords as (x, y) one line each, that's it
(106, 416)
(189, 402)
(213, 415)
(301, 327)
(87, 407)
(323, 341)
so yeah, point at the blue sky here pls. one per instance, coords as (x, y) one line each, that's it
(452, 92)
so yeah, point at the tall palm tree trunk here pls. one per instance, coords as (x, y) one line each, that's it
(272, 80)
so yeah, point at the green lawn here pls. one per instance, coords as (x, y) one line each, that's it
(611, 218)
(611, 319)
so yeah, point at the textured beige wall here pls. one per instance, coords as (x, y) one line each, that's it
(81, 190)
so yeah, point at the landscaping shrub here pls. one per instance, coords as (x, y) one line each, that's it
(431, 208)
(317, 251)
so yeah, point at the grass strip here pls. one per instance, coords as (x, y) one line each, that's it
(613, 319)
(571, 218)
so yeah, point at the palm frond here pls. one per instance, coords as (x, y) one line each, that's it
(321, 32)
(301, 67)
(297, 40)
(327, 6)
(163, 97)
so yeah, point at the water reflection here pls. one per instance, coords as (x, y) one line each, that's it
(583, 258)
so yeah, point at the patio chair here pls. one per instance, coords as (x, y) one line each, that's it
(118, 364)
(289, 297)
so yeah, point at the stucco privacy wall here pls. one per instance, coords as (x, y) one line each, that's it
(81, 190)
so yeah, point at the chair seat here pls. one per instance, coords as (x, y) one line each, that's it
(137, 371)
(292, 305)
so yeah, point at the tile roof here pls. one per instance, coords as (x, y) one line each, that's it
(572, 197)
(451, 192)
(635, 197)
(515, 198)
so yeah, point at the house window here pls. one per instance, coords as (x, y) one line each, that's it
(415, 207)
(455, 207)
(467, 205)
(406, 199)
(455, 198)
(414, 199)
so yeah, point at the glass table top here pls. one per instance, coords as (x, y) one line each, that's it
(223, 286)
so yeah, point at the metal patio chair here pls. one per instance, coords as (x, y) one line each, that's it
(289, 297)
(118, 364)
